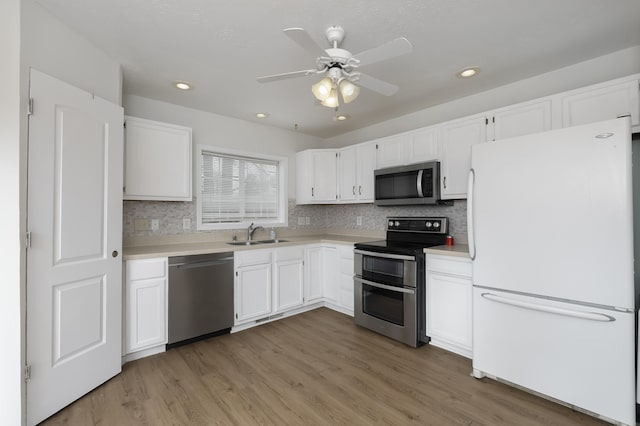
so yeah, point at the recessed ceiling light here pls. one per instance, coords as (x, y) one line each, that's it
(182, 85)
(468, 72)
(262, 115)
(341, 117)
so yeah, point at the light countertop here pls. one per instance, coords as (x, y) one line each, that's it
(204, 247)
(458, 250)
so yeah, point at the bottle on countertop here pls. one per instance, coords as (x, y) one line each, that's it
(272, 234)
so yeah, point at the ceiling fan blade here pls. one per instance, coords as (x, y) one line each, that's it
(304, 40)
(391, 49)
(285, 75)
(376, 85)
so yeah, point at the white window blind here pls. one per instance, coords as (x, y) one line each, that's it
(236, 188)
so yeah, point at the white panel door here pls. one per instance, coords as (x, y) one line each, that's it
(74, 270)
(146, 314)
(325, 176)
(253, 292)
(552, 214)
(424, 145)
(330, 266)
(314, 274)
(392, 151)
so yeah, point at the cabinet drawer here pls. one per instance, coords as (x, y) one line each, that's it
(449, 265)
(146, 268)
(252, 257)
(289, 253)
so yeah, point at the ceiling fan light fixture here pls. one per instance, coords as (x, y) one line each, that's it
(332, 100)
(322, 89)
(348, 90)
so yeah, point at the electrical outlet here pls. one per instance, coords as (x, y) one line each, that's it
(155, 224)
(359, 220)
(141, 224)
(301, 221)
(186, 223)
(307, 220)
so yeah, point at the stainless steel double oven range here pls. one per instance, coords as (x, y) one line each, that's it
(390, 278)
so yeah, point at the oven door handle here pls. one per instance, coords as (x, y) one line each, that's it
(384, 255)
(385, 287)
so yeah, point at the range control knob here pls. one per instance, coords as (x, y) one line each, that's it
(397, 223)
(436, 225)
(427, 225)
(390, 224)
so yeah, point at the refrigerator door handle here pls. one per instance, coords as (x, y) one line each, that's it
(592, 316)
(470, 231)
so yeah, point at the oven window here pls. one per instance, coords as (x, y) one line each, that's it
(388, 271)
(386, 305)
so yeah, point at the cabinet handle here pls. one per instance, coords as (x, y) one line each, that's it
(444, 182)
(359, 189)
(312, 191)
(354, 190)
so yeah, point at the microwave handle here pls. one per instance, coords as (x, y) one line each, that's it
(419, 183)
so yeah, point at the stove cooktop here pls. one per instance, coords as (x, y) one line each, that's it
(410, 235)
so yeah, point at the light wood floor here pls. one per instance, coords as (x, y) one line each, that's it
(314, 368)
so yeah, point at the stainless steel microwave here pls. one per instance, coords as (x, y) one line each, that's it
(407, 185)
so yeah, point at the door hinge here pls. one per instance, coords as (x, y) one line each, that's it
(236, 316)
(493, 119)
(30, 107)
(486, 121)
(27, 241)
(376, 146)
(236, 273)
(27, 373)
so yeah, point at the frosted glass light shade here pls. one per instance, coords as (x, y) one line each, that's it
(349, 91)
(322, 89)
(332, 100)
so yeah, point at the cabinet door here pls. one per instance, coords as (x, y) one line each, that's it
(325, 174)
(423, 145)
(288, 291)
(331, 282)
(157, 161)
(392, 151)
(457, 138)
(348, 174)
(602, 102)
(345, 297)
(521, 120)
(314, 274)
(365, 166)
(253, 292)
(146, 309)
(449, 309)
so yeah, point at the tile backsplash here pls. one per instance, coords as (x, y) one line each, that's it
(171, 214)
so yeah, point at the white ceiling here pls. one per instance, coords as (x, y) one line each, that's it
(222, 46)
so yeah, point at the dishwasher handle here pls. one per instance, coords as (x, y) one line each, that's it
(203, 264)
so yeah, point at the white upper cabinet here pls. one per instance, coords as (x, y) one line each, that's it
(392, 151)
(457, 138)
(423, 145)
(317, 176)
(157, 161)
(348, 175)
(521, 119)
(601, 102)
(365, 166)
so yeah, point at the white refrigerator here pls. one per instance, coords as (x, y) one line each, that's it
(551, 237)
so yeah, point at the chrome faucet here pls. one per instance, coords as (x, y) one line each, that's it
(251, 229)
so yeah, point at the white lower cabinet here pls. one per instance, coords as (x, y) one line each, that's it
(345, 273)
(448, 303)
(288, 278)
(145, 305)
(253, 282)
(313, 274)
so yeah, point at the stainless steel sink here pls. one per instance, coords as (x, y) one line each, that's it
(244, 243)
(254, 242)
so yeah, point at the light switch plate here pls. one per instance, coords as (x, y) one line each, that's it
(141, 224)
(359, 220)
(300, 220)
(307, 220)
(155, 224)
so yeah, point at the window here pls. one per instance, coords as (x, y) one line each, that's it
(238, 189)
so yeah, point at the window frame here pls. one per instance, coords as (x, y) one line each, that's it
(283, 187)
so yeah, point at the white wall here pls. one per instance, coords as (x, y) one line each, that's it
(226, 132)
(11, 261)
(618, 64)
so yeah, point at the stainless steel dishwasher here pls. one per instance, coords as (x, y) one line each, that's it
(200, 297)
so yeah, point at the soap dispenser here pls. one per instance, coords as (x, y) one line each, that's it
(272, 234)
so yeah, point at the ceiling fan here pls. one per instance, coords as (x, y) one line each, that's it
(340, 67)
